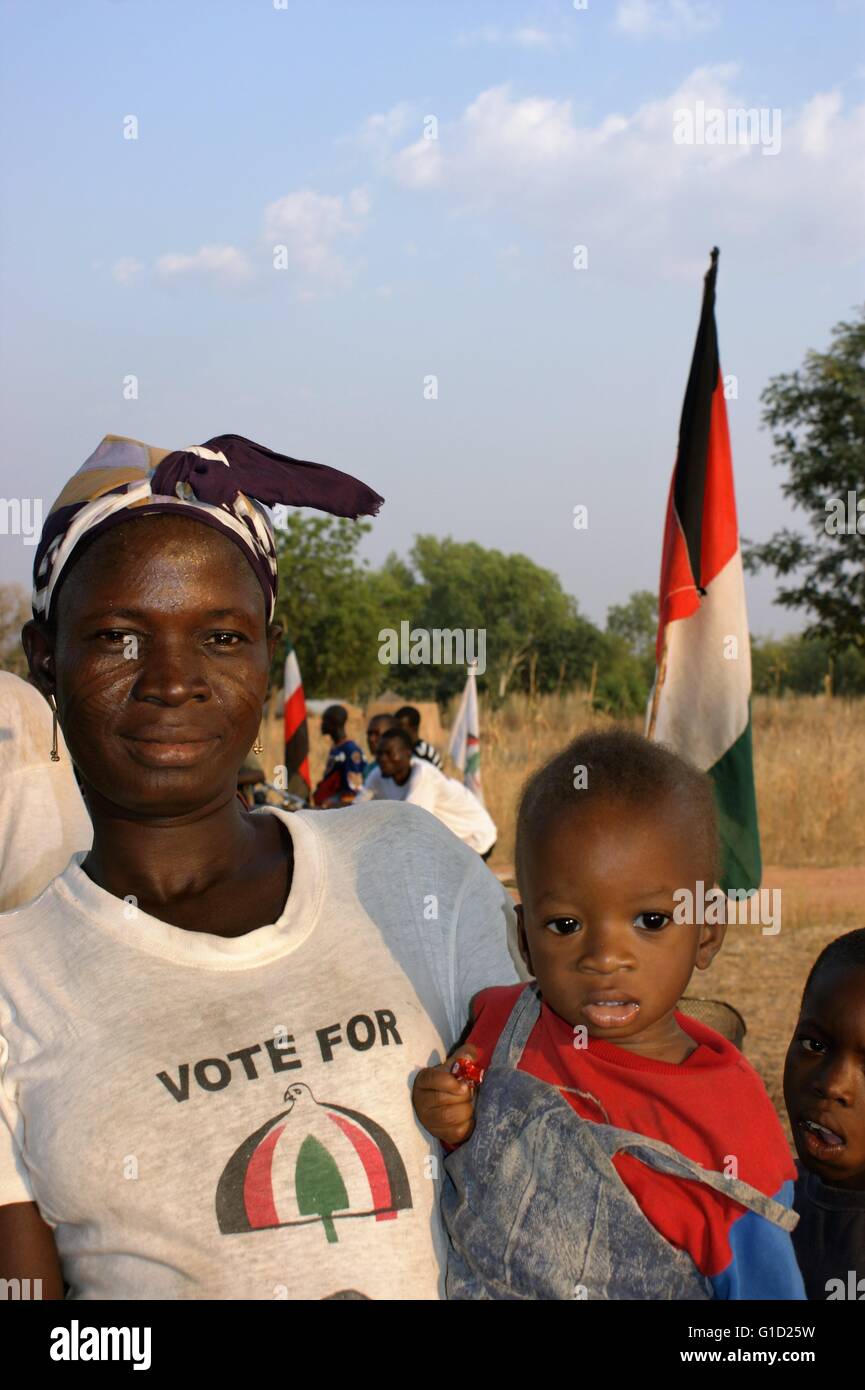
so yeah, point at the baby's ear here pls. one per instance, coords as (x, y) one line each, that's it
(713, 927)
(522, 938)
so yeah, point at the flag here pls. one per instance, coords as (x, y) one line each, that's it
(465, 740)
(296, 732)
(701, 700)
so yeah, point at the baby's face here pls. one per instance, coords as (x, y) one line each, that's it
(824, 1078)
(597, 911)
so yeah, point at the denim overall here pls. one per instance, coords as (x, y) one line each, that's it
(536, 1210)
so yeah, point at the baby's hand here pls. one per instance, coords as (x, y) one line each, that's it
(445, 1105)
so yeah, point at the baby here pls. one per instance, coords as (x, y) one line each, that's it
(615, 1148)
(824, 1088)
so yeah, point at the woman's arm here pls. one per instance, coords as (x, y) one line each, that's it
(27, 1249)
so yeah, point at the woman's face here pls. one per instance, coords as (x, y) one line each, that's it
(159, 664)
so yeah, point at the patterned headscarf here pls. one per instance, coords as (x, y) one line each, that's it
(227, 483)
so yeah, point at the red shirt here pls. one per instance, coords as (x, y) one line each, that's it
(712, 1107)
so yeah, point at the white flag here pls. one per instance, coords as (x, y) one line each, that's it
(465, 740)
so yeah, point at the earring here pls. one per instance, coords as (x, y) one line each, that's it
(258, 746)
(55, 756)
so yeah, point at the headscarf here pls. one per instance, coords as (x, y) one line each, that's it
(227, 483)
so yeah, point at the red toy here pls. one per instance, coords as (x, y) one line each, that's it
(464, 1069)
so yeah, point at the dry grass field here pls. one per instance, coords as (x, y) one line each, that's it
(810, 770)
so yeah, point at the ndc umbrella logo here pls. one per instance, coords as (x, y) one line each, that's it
(312, 1162)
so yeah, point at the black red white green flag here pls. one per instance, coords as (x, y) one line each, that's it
(701, 701)
(464, 745)
(296, 731)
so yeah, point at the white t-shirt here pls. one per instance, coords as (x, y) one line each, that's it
(445, 798)
(209, 1117)
(43, 819)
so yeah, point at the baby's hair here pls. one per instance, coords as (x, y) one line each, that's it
(847, 951)
(616, 764)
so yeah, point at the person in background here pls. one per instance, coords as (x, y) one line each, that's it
(343, 774)
(824, 1091)
(374, 730)
(43, 819)
(400, 776)
(408, 718)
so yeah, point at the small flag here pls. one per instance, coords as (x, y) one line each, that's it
(701, 700)
(296, 732)
(465, 739)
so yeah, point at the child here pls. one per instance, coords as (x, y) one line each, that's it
(824, 1088)
(615, 1148)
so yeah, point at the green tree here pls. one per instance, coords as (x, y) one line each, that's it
(623, 681)
(636, 622)
(817, 418)
(800, 665)
(517, 603)
(565, 654)
(329, 604)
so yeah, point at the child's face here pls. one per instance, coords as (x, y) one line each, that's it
(824, 1077)
(596, 921)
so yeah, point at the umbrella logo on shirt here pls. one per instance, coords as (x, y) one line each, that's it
(312, 1162)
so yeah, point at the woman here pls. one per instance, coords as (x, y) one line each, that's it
(209, 1021)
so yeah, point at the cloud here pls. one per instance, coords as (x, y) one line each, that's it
(308, 230)
(379, 131)
(525, 37)
(227, 265)
(668, 19)
(126, 270)
(625, 188)
(304, 232)
(494, 135)
(818, 119)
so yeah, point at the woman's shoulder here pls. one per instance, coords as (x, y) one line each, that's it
(27, 917)
(397, 829)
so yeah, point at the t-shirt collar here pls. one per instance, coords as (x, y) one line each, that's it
(121, 919)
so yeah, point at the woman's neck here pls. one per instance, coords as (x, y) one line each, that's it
(162, 859)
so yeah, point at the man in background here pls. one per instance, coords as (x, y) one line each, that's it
(374, 730)
(408, 718)
(343, 774)
(400, 776)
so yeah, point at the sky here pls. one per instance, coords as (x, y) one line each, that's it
(348, 231)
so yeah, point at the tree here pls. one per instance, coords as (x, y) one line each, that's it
(14, 612)
(329, 604)
(801, 666)
(636, 622)
(817, 418)
(623, 680)
(518, 604)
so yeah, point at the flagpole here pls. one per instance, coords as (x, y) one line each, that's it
(659, 681)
